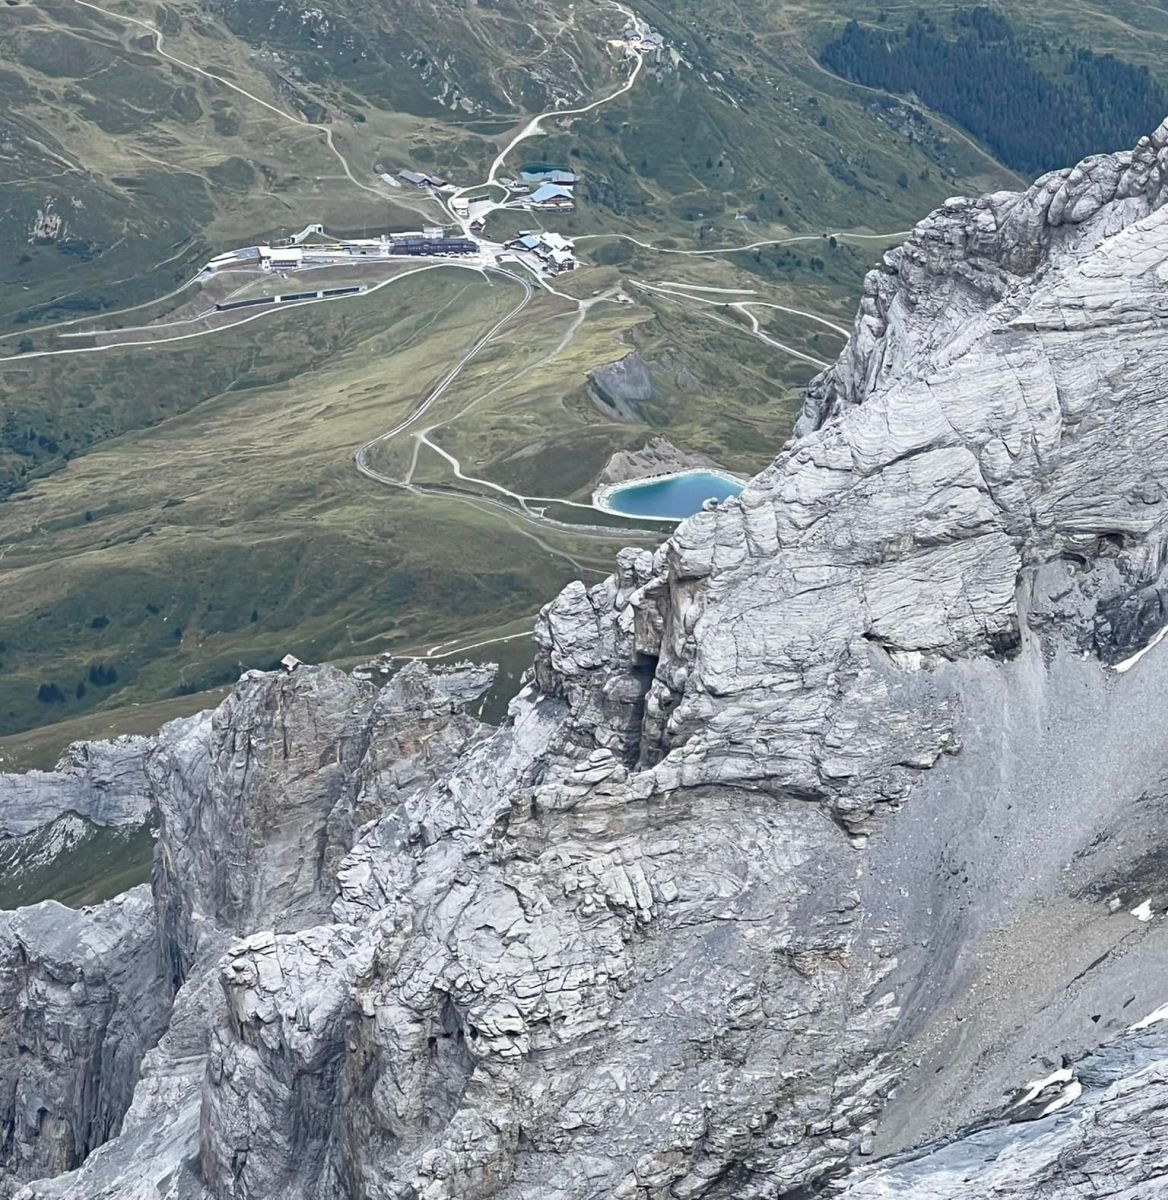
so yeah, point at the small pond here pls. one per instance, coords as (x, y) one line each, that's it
(668, 497)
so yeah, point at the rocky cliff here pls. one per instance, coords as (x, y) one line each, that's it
(100, 781)
(823, 848)
(79, 1006)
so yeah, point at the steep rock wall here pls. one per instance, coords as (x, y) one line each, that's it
(80, 1005)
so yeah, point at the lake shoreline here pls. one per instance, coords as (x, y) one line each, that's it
(602, 498)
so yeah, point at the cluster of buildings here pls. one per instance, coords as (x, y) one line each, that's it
(476, 208)
(647, 41)
(547, 188)
(431, 241)
(553, 252)
(541, 187)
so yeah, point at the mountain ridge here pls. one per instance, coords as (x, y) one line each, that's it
(813, 836)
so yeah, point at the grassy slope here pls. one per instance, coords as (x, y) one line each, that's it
(251, 509)
(99, 864)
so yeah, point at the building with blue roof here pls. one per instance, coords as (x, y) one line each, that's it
(551, 195)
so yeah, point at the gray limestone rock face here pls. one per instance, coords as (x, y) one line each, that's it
(624, 384)
(999, 429)
(103, 782)
(826, 834)
(251, 801)
(80, 1004)
(258, 802)
(969, 256)
(607, 970)
(155, 1155)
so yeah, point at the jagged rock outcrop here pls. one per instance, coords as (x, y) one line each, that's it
(258, 803)
(101, 781)
(967, 257)
(813, 839)
(251, 800)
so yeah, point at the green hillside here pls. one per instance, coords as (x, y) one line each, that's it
(175, 513)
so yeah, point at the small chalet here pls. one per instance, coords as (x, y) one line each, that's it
(421, 180)
(552, 195)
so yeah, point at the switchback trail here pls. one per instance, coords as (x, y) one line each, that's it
(361, 455)
(520, 509)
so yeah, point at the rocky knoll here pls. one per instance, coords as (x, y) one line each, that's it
(657, 456)
(823, 848)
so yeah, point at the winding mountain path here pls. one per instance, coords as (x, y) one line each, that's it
(898, 235)
(283, 114)
(739, 306)
(361, 455)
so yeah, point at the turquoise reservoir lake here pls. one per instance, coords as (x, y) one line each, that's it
(670, 497)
